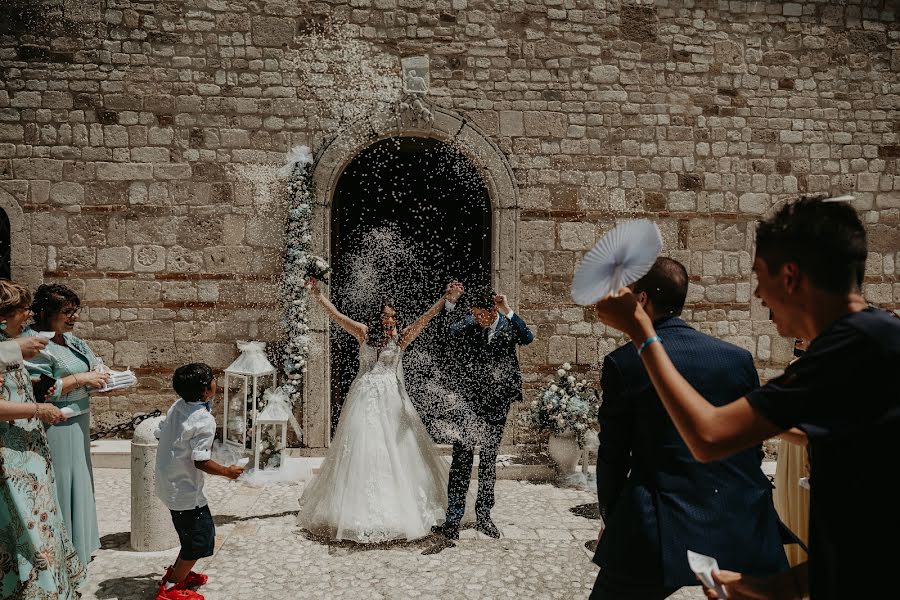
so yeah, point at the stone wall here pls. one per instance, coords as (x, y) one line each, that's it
(137, 138)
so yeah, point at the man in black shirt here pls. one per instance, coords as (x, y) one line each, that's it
(809, 264)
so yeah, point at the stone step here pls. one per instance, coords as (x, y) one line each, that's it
(111, 454)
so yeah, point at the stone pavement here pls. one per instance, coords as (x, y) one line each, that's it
(261, 554)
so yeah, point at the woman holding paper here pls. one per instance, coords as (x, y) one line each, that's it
(36, 555)
(72, 365)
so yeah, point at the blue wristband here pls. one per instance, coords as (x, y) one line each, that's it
(649, 341)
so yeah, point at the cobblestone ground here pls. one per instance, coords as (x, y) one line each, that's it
(261, 554)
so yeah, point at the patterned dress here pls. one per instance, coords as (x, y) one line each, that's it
(37, 559)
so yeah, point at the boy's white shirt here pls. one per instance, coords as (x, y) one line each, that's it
(185, 435)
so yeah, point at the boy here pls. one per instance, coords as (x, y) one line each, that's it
(185, 443)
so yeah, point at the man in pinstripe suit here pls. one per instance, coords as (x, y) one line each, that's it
(655, 499)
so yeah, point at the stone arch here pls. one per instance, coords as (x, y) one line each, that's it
(21, 269)
(335, 155)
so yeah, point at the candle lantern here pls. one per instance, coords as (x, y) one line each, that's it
(250, 373)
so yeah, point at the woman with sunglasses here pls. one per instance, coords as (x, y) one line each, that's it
(73, 367)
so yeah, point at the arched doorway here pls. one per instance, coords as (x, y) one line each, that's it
(5, 246)
(408, 215)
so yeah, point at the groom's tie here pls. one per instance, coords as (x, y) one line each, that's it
(485, 335)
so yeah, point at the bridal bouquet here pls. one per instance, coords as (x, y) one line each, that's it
(317, 268)
(565, 404)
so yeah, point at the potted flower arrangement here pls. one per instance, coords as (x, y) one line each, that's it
(567, 408)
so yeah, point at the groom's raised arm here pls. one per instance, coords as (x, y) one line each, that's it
(525, 335)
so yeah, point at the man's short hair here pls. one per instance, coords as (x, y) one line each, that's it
(666, 284)
(482, 298)
(191, 381)
(827, 240)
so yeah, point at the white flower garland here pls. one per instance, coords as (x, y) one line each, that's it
(297, 258)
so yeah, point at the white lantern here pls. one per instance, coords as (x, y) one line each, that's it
(276, 414)
(252, 371)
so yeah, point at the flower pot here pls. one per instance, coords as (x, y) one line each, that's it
(564, 451)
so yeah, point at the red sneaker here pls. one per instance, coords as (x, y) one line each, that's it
(193, 580)
(177, 593)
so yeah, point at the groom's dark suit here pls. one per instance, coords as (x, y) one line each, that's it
(488, 380)
(657, 501)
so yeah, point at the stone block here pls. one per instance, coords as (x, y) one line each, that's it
(38, 168)
(753, 203)
(537, 235)
(604, 74)
(179, 291)
(151, 331)
(561, 349)
(227, 259)
(49, 228)
(130, 354)
(139, 291)
(577, 236)
(100, 290)
(76, 258)
(273, 31)
(181, 260)
(124, 171)
(66, 193)
(149, 258)
(701, 234)
(172, 171)
(512, 123)
(117, 258)
(545, 124)
(202, 231)
(152, 230)
(587, 351)
(724, 292)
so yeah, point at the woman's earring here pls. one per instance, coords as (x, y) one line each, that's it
(2, 325)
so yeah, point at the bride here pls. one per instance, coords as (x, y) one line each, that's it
(382, 478)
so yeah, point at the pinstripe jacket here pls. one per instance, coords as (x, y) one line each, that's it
(657, 501)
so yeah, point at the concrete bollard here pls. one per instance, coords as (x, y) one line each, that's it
(151, 524)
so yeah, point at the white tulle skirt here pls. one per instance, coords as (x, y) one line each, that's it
(382, 478)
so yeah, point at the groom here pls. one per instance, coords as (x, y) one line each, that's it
(485, 345)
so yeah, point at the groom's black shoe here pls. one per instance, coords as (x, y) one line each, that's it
(448, 530)
(487, 527)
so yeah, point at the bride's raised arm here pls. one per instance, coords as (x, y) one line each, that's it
(354, 328)
(453, 291)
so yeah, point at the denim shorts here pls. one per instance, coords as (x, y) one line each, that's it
(196, 532)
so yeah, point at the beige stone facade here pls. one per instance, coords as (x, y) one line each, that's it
(137, 144)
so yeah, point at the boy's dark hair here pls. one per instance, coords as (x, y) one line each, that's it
(826, 240)
(666, 284)
(191, 381)
(482, 298)
(50, 298)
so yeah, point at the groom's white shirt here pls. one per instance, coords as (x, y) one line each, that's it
(450, 306)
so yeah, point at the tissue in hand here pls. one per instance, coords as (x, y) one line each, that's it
(703, 567)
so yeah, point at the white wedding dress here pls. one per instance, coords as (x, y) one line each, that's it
(382, 478)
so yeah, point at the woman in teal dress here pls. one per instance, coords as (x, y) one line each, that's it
(70, 363)
(37, 559)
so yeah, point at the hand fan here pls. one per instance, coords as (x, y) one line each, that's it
(619, 258)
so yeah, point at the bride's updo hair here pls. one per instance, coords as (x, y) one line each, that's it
(375, 336)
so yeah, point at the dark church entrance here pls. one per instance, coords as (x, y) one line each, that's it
(409, 215)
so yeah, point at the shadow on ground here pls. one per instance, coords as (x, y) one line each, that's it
(138, 587)
(588, 511)
(220, 520)
(121, 540)
(345, 547)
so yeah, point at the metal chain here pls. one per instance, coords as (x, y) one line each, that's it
(128, 425)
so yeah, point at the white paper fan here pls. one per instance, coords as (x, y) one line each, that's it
(619, 258)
